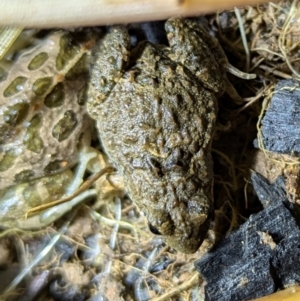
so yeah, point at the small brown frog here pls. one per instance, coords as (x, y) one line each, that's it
(156, 110)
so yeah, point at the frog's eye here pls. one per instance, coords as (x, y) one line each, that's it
(154, 230)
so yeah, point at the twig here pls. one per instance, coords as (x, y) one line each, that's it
(275, 72)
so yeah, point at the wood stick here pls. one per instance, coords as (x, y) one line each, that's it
(290, 294)
(65, 13)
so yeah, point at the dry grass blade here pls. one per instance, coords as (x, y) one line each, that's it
(7, 37)
(182, 287)
(86, 185)
(244, 39)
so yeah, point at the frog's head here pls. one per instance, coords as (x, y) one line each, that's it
(185, 226)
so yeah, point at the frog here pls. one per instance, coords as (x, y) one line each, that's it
(42, 108)
(155, 109)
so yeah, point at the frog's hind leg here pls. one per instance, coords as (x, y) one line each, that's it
(196, 50)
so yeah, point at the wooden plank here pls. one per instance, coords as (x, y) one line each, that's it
(53, 13)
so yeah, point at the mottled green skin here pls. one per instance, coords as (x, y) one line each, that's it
(42, 112)
(15, 201)
(156, 121)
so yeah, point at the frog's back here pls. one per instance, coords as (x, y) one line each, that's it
(156, 125)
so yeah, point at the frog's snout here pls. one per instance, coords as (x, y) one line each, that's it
(190, 244)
